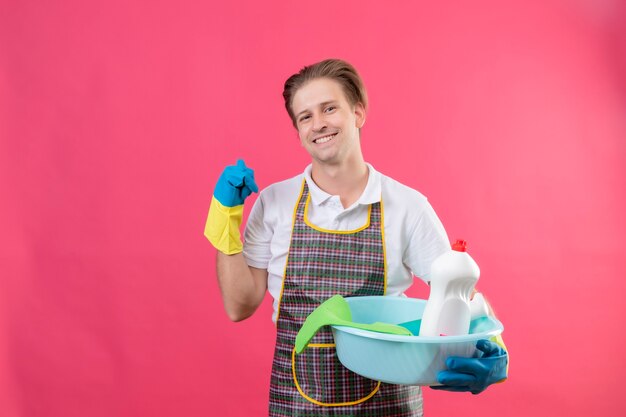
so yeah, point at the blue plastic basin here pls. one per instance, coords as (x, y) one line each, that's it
(408, 360)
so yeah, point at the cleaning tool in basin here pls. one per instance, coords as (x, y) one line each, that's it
(478, 309)
(453, 277)
(336, 311)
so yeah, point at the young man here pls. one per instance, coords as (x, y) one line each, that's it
(340, 227)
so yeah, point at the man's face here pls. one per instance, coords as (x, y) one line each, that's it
(328, 125)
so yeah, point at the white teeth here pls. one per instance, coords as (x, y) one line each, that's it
(325, 139)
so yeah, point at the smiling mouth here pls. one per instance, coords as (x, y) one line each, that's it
(324, 139)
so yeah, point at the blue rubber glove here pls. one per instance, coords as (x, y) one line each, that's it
(226, 211)
(235, 184)
(474, 374)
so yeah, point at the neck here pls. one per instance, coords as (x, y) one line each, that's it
(347, 180)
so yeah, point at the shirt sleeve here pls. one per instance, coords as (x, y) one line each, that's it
(427, 240)
(258, 236)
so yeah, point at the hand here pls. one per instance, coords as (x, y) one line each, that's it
(235, 184)
(474, 374)
(226, 211)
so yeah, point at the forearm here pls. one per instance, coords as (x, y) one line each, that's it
(242, 287)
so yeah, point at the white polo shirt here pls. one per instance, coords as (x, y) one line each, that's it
(414, 235)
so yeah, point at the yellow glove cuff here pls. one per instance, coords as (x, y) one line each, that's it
(500, 342)
(222, 227)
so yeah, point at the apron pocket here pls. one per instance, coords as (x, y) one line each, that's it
(323, 380)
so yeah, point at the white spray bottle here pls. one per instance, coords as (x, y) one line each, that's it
(453, 277)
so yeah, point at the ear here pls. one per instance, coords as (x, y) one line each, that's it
(359, 113)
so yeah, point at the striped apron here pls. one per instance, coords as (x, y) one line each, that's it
(320, 264)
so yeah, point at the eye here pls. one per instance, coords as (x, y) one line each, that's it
(303, 118)
(330, 108)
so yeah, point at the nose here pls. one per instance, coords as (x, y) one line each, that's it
(319, 123)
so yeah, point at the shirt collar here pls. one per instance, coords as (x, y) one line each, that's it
(371, 193)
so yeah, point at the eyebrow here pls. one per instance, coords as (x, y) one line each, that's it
(321, 105)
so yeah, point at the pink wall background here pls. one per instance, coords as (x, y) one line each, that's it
(116, 120)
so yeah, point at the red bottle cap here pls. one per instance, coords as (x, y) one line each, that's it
(460, 245)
